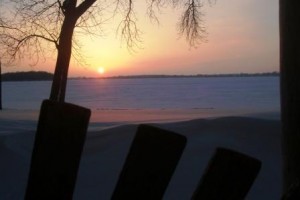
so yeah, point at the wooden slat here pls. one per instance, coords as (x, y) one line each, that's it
(150, 164)
(229, 176)
(57, 150)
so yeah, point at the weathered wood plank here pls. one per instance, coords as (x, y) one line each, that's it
(229, 176)
(57, 150)
(150, 164)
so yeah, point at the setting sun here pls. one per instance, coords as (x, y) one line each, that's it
(101, 70)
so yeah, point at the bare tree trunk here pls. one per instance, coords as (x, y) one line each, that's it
(72, 13)
(290, 89)
(59, 83)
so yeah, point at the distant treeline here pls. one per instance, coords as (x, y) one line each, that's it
(27, 76)
(42, 76)
(198, 75)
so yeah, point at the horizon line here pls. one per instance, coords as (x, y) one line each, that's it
(273, 73)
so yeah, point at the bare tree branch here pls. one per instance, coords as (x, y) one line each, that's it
(84, 6)
(128, 28)
(42, 20)
(191, 24)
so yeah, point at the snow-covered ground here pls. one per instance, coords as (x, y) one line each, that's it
(110, 135)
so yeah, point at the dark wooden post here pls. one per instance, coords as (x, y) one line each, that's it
(57, 150)
(0, 85)
(229, 176)
(290, 89)
(150, 164)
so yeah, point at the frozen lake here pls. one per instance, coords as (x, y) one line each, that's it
(230, 93)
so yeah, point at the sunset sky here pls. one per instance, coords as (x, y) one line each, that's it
(242, 36)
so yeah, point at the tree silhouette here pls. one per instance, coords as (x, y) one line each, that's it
(34, 22)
